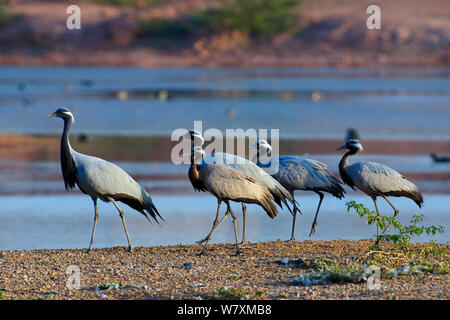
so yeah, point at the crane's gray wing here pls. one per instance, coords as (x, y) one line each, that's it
(228, 184)
(101, 178)
(252, 170)
(307, 174)
(379, 179)
(105, 180)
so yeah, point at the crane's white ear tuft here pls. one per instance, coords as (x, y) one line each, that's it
(67, 112)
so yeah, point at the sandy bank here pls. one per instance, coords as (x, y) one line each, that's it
(262, 271)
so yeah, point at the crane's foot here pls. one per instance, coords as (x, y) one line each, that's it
(88, 250)
(237, 252)
(290, 240)
(201, 241)
(130, 248)
(243, 241)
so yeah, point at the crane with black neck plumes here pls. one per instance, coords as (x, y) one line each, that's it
(101, 179)
(376, 179)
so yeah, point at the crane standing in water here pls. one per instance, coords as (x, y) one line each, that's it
(101, 179)
(375, 179)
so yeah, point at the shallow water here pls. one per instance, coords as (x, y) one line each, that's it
(381, 104)
(44, 177)
(65, 221)
(392, 104)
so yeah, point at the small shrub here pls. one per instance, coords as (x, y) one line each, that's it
(403, 238)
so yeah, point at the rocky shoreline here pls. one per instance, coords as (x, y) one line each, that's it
(263, 271)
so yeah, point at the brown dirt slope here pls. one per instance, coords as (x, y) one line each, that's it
(413, 33)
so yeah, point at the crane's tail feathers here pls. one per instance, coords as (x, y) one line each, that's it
(418, 199)
(149, 207)
(269, 206)
(282, 194)
(336, 188)
(297, 208)
(414, 195)
(267, 201)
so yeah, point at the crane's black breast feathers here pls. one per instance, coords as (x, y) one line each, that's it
(69, 170)
(346, 178)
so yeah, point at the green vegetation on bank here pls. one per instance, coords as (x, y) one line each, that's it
(5, 15)
(384, 263)
(124, 3)
(255, 18)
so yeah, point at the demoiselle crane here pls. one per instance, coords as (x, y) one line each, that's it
(227, 184)
(375, 179)
(299, 173)
(100, 179)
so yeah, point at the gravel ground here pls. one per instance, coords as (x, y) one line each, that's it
(262, 270)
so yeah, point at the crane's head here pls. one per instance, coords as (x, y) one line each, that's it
(62, 113)
(262, 145)
(353, 145)
(196, 137)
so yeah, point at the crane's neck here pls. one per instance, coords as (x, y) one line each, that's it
(194, 174)
(65, 143)
(342, 165)
(68, 164)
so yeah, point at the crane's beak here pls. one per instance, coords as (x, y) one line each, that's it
(51, 115)
(343, 147)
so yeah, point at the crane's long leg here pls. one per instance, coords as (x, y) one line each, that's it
(122, 216)
(378, 215)
(95, 225)
(395, 212)
(214, 223)
(294, 216)
(244, 214)
(212, 231)
(235, 228)
(314, 225)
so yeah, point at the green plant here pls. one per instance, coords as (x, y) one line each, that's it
(403, 238)
(256, 18)
(110, 286)
(5, 16)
